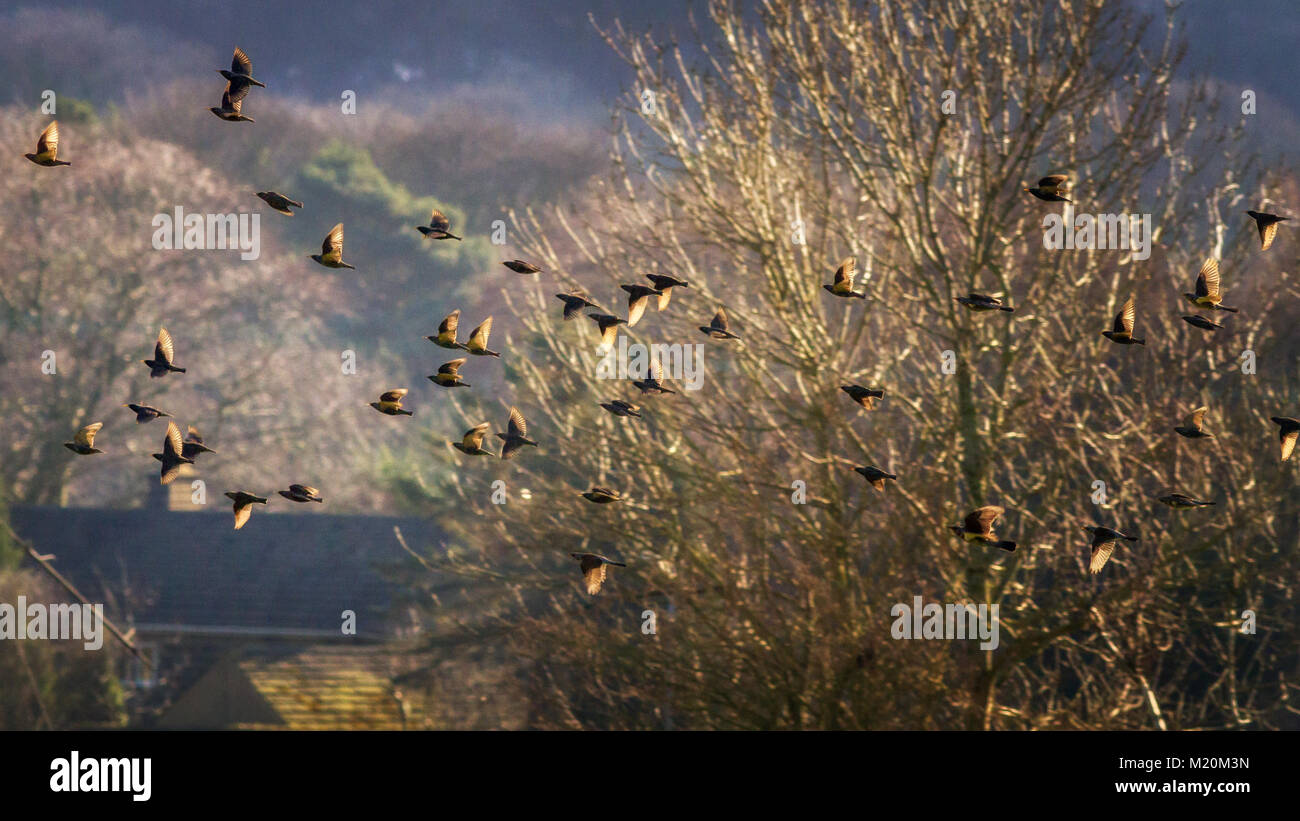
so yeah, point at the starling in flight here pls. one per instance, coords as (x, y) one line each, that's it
(1052, 188)
(446, 337)
(448, 375)
(473, 441)
(47, 147)
(983, 302)
(172, 456)
(302, 493)
(516, 435)
(875, 476)
(653, 381)
(637, 297)
(390, 403)
(241, 71)
(145, 413)
(1123, 328)
(593, 570)
(601, 495)
(574, 303)
(665, 285)
(478, 339)
(1192, 425)
(620, 408)
(331, 250)
(84, 442)
(232, 104)
(1207, 293)
(163, 354)
(843, 284)
(193, 444)
(1290, 428)
(439, 227)
(608, 324)
(1182, 500)
(279, 202)
(244, 505)
(1267, 225)
(717, 329)
(866, 397)
(521, 267)
(1202, 322)
(1103, 544)
(978, 527)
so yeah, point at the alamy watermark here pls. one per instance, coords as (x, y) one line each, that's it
(53, 621)
(208, 232)
(1101, 232)
(682, 361)
(947, 622)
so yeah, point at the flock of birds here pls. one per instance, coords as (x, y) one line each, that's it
(977, 527)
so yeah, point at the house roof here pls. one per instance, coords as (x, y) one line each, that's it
(283, 574)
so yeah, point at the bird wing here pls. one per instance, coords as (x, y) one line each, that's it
(1124, 319)
(635, 307)
(657, 370)
(845, 273)
(86, 436)
(474, 436)
(192, 435)
(395, 395)
(573, 305)
(305, 490)
(1266, 234)
(608, 333)
(438, 221)
(517, 428)
(452, 367)
(1056, 183)
(243, 511)
(332, 248)
(1194, 419)
(1288, 443)
(48, 142)
(1100, 554)
(240, 64)
(1207, 281)
(981, 519)
(593, 573)
(172, 444)
(164, 349)
(479, 338)
(719, 320)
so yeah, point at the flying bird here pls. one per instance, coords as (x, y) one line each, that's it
(244, 505)
(331, 250)
(1202, 322)
(516, 435)
(473, 441)
(866, 397)
(653, 381)
(193, 444)
(84, 442)
(1208, 294)
(521, 267)
(439, 227)
(390, 403)
(279, 202)
(978, 527)
(145, 413)
(983, 302)
(665, 285)
(241, 71)
(448, 375)
(1267, 225)
(302, 493)
(172, 456)
(875, 476)
(717, 328)
(1193, 425)
(608, 325)
(1103, 544)
(1290, 429)
(232, 104)
(843, 284)
(164, 352)
(601, 495)
(1182, 500)
(574, 303)
(593, 570)
(1122, 332)
(1052, 188)
(620, 408)
(637, 297)
(478, 339)
(446, 337)
(47, 147)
